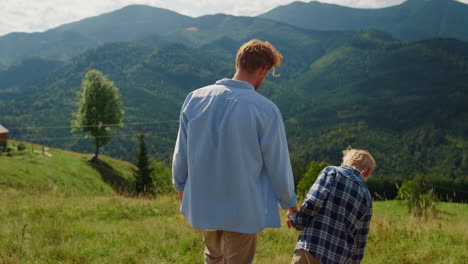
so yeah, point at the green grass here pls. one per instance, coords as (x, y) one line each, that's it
(397, 237)
(52, 228)
(59, 210)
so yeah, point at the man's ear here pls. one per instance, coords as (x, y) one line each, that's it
(265, 69)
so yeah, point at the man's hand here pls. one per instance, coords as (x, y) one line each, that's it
(291, 211)
(181, 195)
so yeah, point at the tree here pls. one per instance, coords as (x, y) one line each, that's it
(99, 111)
(309, 177)
(143, 181)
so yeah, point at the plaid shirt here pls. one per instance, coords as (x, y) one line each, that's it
(335, 217)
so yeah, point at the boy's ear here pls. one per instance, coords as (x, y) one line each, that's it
(367, 173)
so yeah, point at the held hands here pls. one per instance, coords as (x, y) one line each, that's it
(291, 211)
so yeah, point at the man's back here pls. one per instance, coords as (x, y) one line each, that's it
(228, 182)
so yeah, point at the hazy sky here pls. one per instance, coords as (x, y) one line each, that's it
(40, 15)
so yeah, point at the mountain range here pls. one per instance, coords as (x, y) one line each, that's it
(402, 98)
(411, 20)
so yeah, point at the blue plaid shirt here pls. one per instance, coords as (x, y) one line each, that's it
(335, 217)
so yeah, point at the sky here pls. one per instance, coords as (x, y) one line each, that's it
(41, 15)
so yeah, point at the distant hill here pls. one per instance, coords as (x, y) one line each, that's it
(64, 42)
(411, 20)
(127, 24)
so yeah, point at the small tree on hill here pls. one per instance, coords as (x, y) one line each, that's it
(99, 110)
(143, 181)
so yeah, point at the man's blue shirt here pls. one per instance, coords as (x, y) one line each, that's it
(231, 159)
(335, 217)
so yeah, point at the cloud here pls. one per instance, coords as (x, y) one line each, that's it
(364, 3)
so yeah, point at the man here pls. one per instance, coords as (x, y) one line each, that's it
(336, 214)
(231, 162)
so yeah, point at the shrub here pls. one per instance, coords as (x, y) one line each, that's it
(162, 177)
(9, 152)
(21, 147)
(418, 197)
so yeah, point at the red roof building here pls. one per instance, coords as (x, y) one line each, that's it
(3, 136)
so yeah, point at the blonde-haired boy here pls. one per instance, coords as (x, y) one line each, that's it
(335, 216)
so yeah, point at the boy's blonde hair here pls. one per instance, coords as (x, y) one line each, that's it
(256, 54)
(359, 159)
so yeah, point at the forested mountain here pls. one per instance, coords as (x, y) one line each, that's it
(153, 81)
(19, 74)
(404, 101)
(411, 20)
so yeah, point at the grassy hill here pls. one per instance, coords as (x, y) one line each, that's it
(57, 208)
(63, 172)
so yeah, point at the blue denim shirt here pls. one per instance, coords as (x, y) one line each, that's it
(231, 159)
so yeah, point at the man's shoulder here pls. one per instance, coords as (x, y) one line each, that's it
(261, 101)
(245, 98)
(209, 88)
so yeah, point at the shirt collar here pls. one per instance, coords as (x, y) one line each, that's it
(235, 83)
(354, 171)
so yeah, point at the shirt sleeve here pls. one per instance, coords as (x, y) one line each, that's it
(315, 199)
(275, 154)
(179, 160)
(361, 238)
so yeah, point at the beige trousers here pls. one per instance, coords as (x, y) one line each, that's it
(303, 257)
(224, 247)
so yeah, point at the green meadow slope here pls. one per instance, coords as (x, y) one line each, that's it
(62, 171)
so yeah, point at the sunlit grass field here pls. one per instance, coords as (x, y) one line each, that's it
(59, 210)
(52, 228)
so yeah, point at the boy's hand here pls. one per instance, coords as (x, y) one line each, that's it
(291, 211)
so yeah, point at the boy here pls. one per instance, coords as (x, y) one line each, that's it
(335, 216)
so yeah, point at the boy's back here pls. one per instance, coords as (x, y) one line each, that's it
(335, 216)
